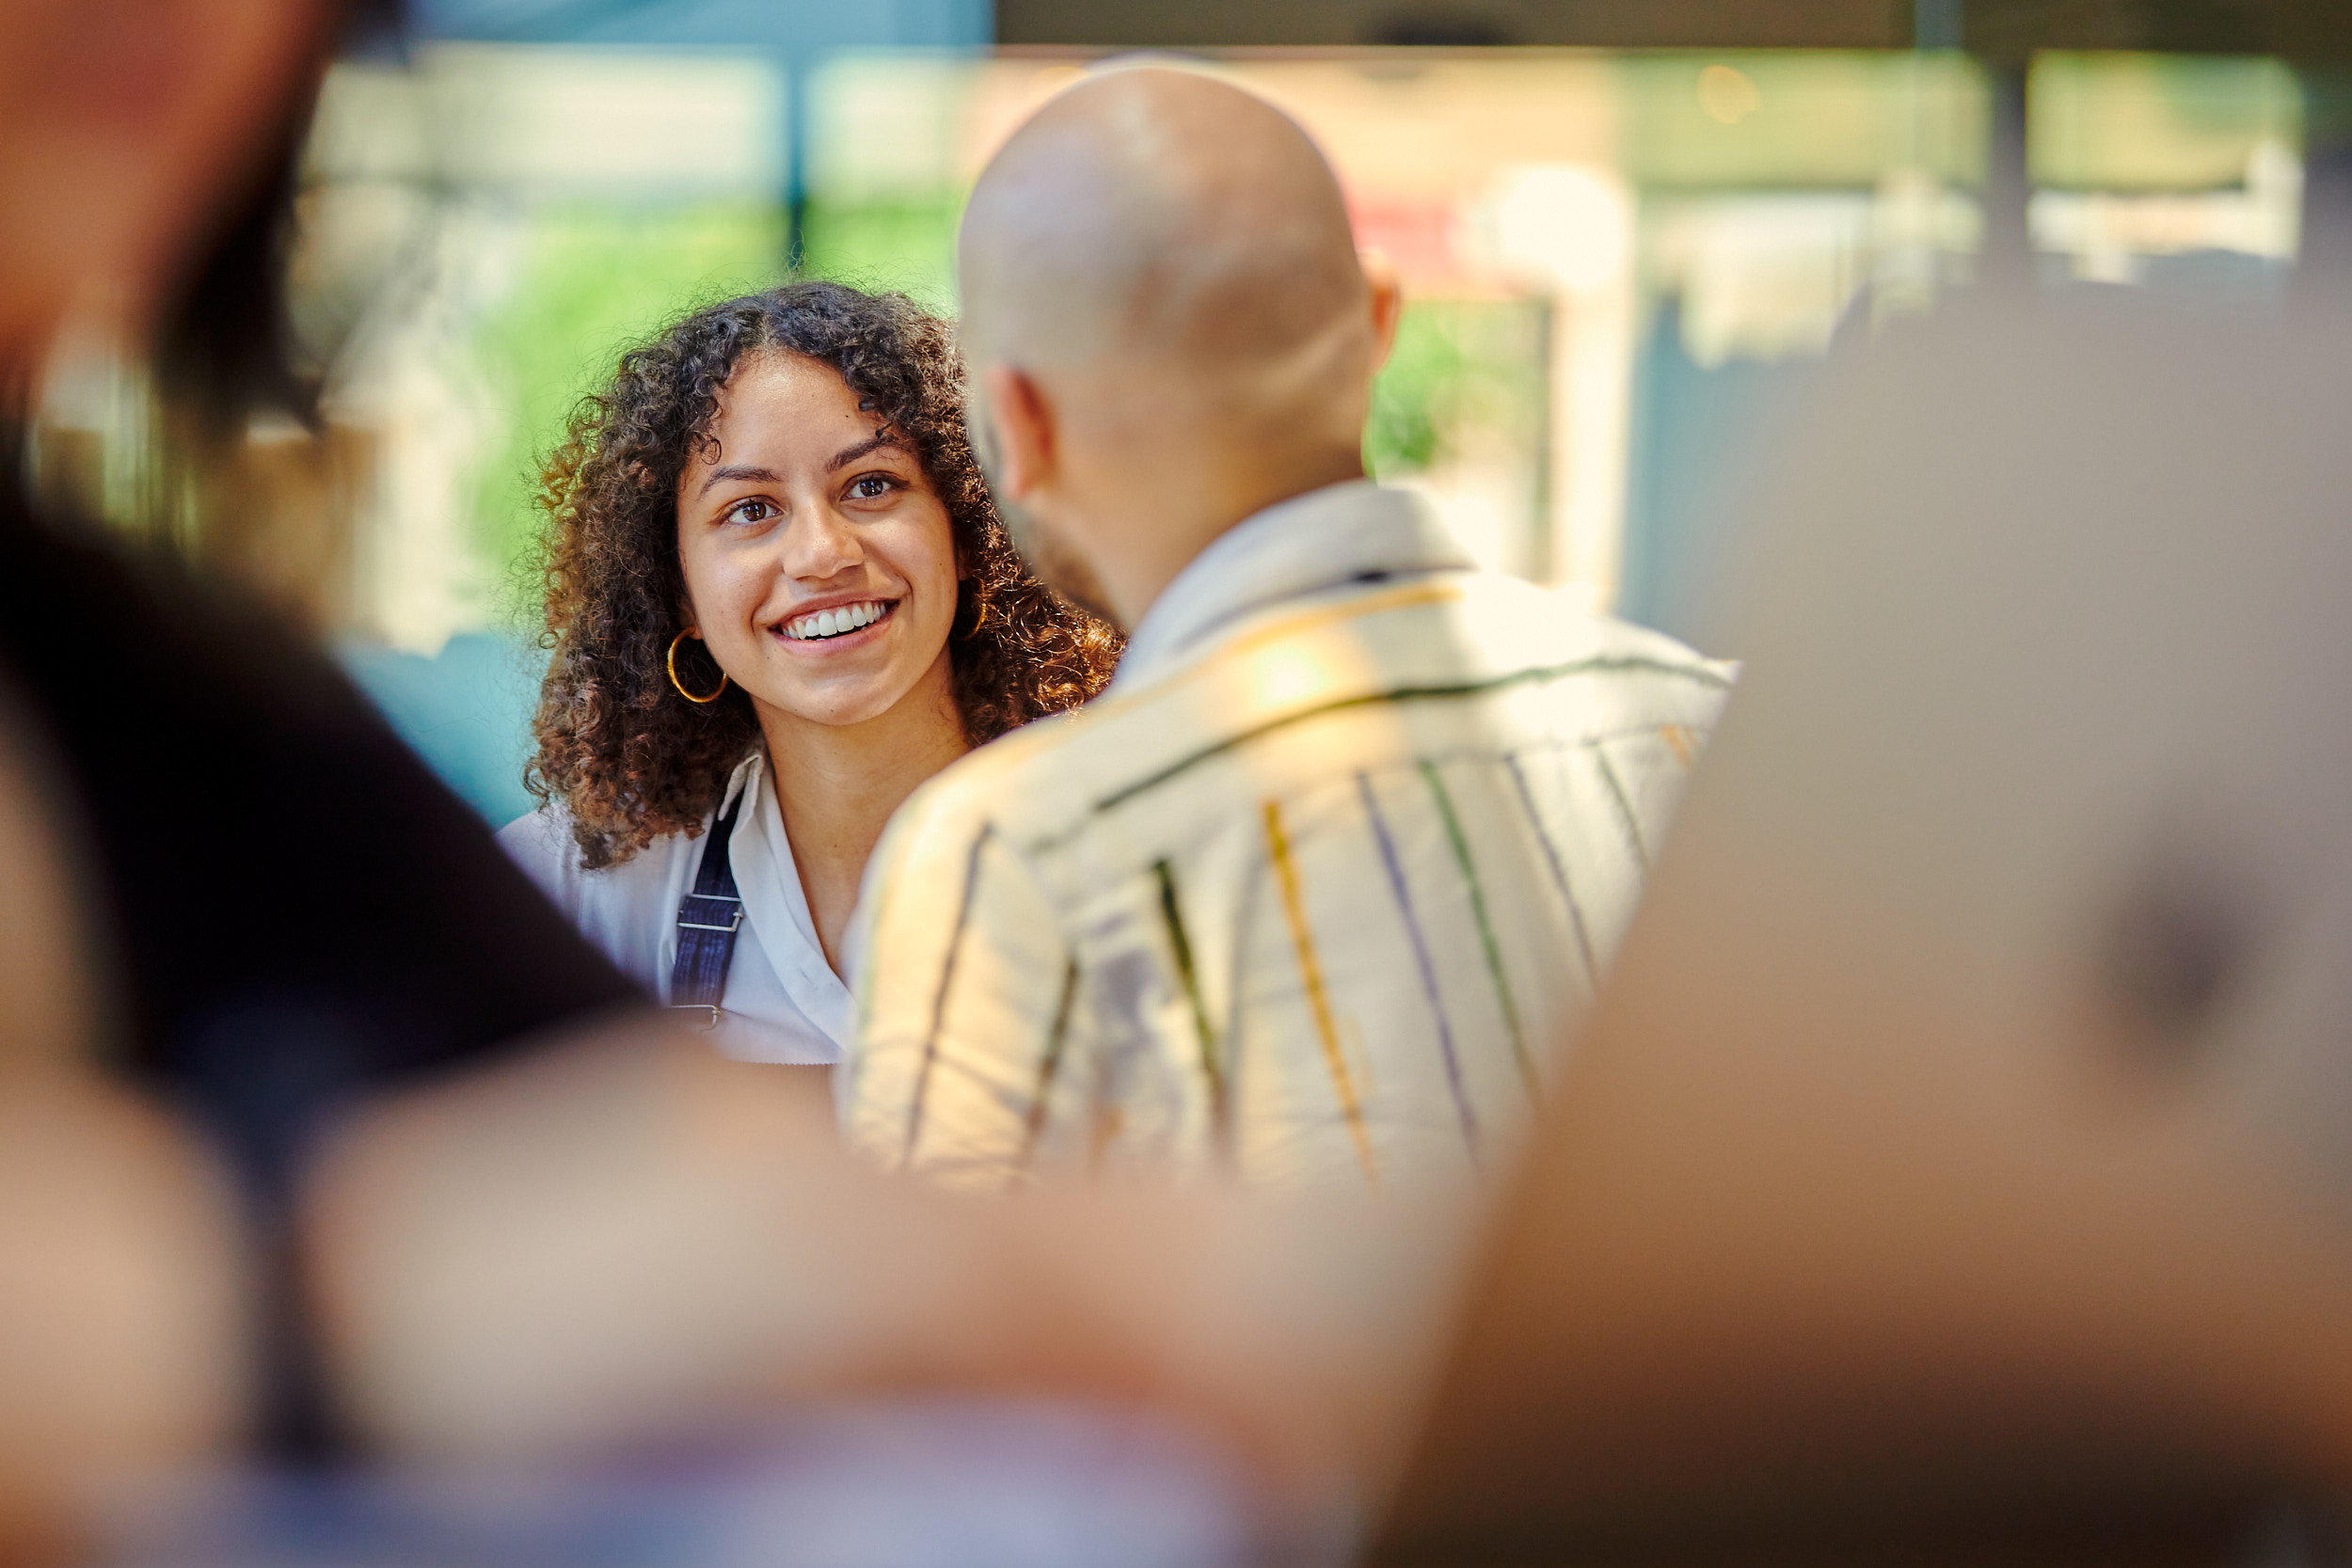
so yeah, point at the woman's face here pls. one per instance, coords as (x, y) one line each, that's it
(820, 563)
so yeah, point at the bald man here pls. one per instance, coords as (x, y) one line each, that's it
(1317, 889)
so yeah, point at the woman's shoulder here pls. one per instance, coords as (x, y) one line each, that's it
(535, 830)
(541, 844)
(626, 908)
(544, 843)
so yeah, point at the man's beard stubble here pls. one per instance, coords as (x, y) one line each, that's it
(1056, 564)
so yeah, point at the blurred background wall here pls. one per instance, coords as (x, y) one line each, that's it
(1629, 228)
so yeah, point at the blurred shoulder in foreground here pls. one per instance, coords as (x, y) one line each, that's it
(1962, 1148)
(123, 1335)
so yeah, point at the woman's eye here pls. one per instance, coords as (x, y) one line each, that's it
(750, 512)
(867, 488)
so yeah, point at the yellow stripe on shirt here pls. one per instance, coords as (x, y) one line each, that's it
(1311, 974)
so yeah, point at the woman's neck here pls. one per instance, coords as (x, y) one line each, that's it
(839, 783)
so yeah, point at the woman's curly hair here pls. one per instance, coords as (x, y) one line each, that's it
(630, 758)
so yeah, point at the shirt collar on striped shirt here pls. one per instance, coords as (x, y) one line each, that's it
(1326, 538)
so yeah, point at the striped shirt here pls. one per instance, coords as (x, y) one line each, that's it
(1313, 892)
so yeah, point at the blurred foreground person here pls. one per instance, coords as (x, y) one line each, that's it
(122, 1342)
(276, 903)
(600, 1234)
(1958, 1166)
(776, 609)
(294, 911)
(1317, 890)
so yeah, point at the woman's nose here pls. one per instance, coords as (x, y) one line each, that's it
(821, 544)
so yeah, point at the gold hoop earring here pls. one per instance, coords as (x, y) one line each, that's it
(681, 685)
(980, 620)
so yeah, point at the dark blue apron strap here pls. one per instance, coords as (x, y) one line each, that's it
(707, 920)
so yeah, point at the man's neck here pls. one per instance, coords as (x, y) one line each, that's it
(1154, 555)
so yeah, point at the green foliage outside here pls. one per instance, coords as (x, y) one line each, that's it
(1409, 399)
(1458, 366)
(596, 279)
(906, 246)
(592, 280)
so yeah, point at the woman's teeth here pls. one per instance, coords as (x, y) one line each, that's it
(833, 623)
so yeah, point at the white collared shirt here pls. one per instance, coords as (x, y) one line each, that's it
(1316, 891)
(783, 1001)
(1341, 535)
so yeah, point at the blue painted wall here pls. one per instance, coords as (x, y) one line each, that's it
(466, 711)
(1699, 436)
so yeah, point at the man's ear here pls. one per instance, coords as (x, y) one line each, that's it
(1021, 439)
(1388, 302)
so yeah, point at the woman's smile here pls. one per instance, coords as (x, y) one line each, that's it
(836, 626)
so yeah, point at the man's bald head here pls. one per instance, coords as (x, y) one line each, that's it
(1160, 218)
(1168, 325)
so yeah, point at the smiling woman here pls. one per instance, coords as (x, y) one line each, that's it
(778, 600)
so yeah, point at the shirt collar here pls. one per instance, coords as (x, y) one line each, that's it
(775, 906)
(1326, 538)
(746, 776)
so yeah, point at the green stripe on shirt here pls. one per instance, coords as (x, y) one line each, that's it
(1485, 925)
(1172, 915)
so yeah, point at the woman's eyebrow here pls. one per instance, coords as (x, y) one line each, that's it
(872, 443)
(720, 475)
